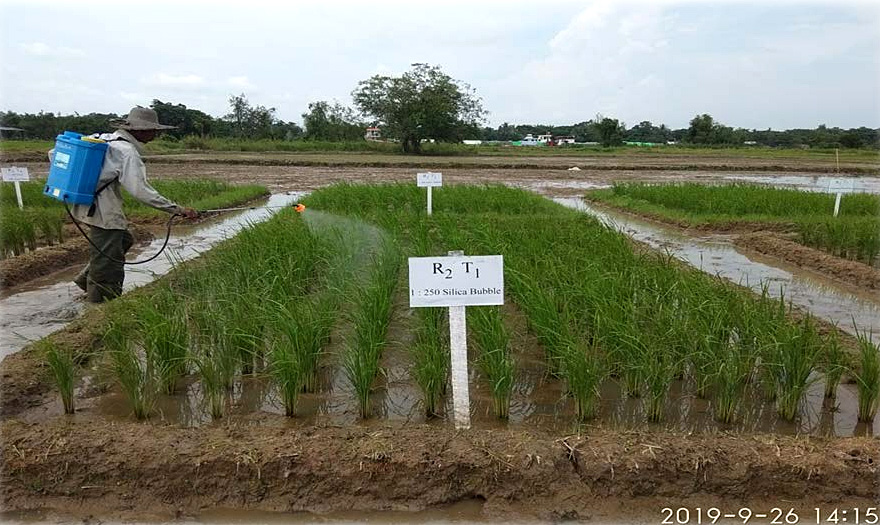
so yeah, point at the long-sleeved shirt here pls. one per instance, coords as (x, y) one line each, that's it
(123, 163)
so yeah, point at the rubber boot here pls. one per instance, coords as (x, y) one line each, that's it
(81, 279)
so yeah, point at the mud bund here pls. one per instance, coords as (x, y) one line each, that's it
(112, 469)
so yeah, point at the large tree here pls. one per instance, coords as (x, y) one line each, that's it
(610, 131)
(188, 121)
(423, 103)
(334, 122)
(252, 122)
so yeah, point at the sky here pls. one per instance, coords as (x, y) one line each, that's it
(750, 64)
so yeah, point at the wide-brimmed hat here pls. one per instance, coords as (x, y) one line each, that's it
(141, 119)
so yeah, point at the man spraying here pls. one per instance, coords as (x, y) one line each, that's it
(123, 167)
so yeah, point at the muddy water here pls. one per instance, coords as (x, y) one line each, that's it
(42, 306)
(716, 255)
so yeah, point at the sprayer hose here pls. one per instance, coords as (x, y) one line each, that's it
(162, 249)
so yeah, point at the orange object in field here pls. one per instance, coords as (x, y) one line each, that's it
(300, 208)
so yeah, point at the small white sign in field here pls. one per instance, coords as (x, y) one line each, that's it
(429, 179)
(841, 185)
(456, 281)
(15, 174)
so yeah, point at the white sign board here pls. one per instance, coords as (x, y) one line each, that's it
(15, 174)
(456, 281)
(841, 185)
(429, 179)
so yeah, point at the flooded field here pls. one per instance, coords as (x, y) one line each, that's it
(715, 254)
(538, 399)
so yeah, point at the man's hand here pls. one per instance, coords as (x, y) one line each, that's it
(189, 213)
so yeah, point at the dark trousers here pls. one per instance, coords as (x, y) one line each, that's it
(102, 278)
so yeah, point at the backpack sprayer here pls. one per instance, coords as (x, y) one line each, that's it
(73, 179)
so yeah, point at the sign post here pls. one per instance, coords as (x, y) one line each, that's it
(16, 175)
(840, 186)
(457, 281)
(429, 180)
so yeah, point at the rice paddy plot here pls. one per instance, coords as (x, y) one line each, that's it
(823, 298)
(618, 335)
(854, 234)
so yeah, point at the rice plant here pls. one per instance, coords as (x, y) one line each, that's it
(134, 372)
(287, 370)
(215, 358)
(370, 318)
(730, 379)
(299, 331)
(17, 232)
(244, 329)
(584, 370)
(631, 350)
(162, 324)
(794, 356)
(215, 334)
(547, 319)
(212, 381)
(493, 344)
(430, 353)
(659, 369)
(834, 362)
(867, 376)
(64, 370)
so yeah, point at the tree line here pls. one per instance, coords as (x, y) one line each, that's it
(243, 121)
(425, 103)
(703, 130)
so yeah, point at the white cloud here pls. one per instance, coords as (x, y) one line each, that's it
(667, 61)
(39, 49)
(175, 81)
(240, 82)
(132, 97)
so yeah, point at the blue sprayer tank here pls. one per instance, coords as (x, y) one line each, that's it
(75, 169)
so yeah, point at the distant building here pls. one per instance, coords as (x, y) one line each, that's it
(564, 139)
(529, 140)
(472, 142)
(750, 143)
(7, 131)
(540, 140)
(373, 134)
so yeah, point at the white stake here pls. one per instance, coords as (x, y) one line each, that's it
(18, 195)
(837, 156)
(429, 199)
(461, 404)
(837, 204)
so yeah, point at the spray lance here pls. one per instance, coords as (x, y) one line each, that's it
(73, 179)
(296, 206)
